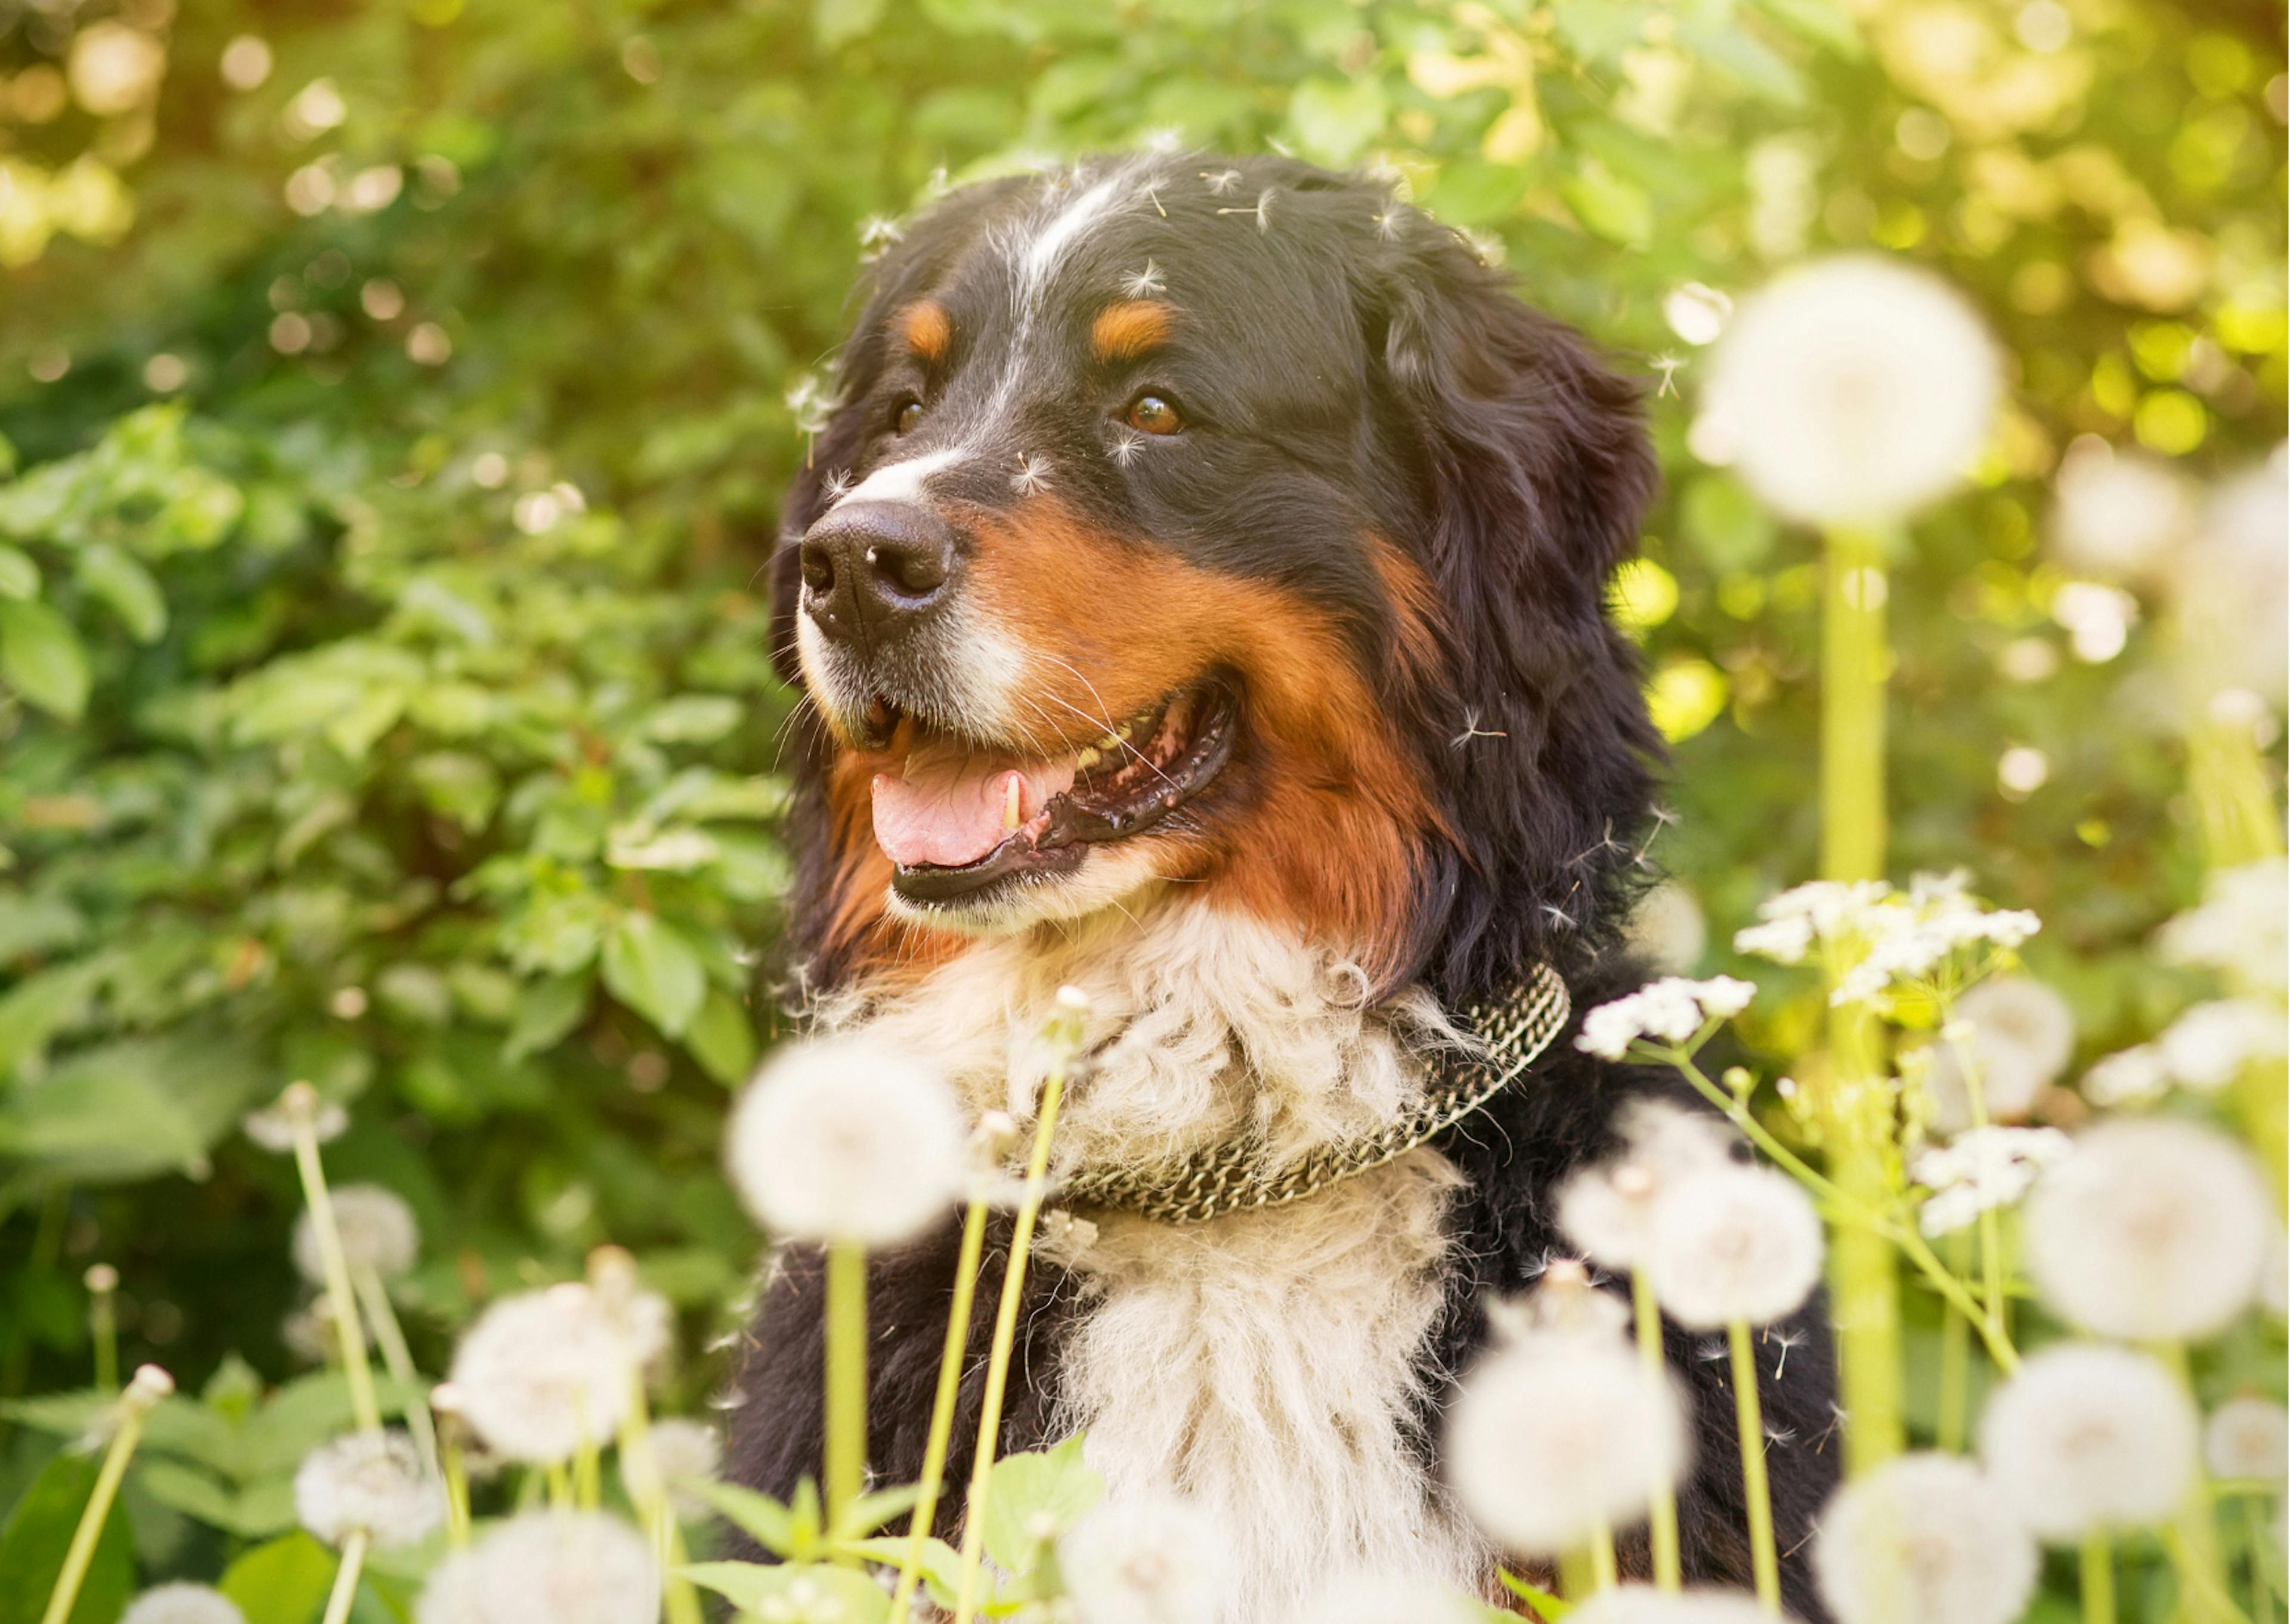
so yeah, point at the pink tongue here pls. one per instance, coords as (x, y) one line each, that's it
(950, 808)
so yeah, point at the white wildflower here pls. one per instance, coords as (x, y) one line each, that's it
(1645, 1604)
(2021, 1035)
(2247, 1437)
(182, 1605)
(850, 1138)
(687, 1452)
(1146, 1560)
(273, 1127)
(2118, 513)
(369, 1482)
(1854, 389)
(378, 1232)
(556, 1567)
(2088, 1437)
(2128, 1075)
(1552, 1437)
(1666, 928)
(540, 1375)
(2208, 1045)
(1386, 1598)
(2232, 581)
(2240, 926)
(1673, 1008)
(1908, 937)
(2154, 1230)
(1923, 1537)
(1987, 1167)
(1732, 1242)
(1607, 1209)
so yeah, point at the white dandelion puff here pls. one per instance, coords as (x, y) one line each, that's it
(1645, 1604)
(1033, 476)
(1551, 1437)
(562, 1567)
(2128, 1075)
(1673, 1008)
(1668, 929)
(688, 1452)
(2021, 1035)
(1220, 181)
(2247, 1437)
(1387, 1599)
(2154, 1230)
(2208, 1045)
(1923, 1537)
(2085, 1437)
(1854, 390)
(2117, 514)
(2232, 583)
(1987, 1167)
(848, 1139)
(370, 1483)
(1607, 1209)
(2240, 927)
(1732, 1242)
(378, 1231)
(1146, 1560)
(273, 1127)
(182, 1604)
(542, 1374)
(1145, 284)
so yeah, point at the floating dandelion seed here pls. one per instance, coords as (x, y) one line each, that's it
(1262, 210)
(1163, 141)
(878, 233)
(1923, 1537)
(1146, 1560)
(1644, 1604)
(562, 1567)
(370, 1483)
(1033, 476)
(182, 1605)
(378, 1231)
(1145, 284)
(1733, 1243)
(1220, 181)
(2154, 1230)
(542, 1374)
(2086, 1438)
(847, 1138)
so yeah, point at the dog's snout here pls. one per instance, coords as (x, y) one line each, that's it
(872, 569)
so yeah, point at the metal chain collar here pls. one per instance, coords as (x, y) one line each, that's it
(1516, 1029)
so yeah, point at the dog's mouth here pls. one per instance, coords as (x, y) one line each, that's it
(959, 818)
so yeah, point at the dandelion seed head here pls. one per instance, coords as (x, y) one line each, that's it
(847, 1137)
(2232, 581)
(1854, 390)
(273, 1127)
(2128, 1075)
(368, 1481)
(2021, 1035)
(1645, 1604)
(2208, 1045)
(687, 1452)
(562, 1567)
(182, 1604)
(1146, 1559)
(2240, 926)
(1732, 1242)
(2117, 515)
(378, 1231)
(1924, 1536)
(1387, 1599)
(541, 1373)
(1607, 1209)
(1551, 1437)
(2247, 1437)
(2154, 1230)
(2086, 1436)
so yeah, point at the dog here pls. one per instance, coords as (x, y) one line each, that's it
(1198, 597)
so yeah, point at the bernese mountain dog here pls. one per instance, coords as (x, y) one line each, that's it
(1198, 597)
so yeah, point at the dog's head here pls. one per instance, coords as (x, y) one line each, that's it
(1220, 524)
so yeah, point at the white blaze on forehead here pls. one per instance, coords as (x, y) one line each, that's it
(902, 482)
(1059, 232)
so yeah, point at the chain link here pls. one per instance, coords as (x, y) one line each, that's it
(1516, 1029)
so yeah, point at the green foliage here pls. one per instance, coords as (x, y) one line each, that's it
(39, 1530)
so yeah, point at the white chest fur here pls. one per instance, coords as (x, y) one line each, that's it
(1263, 1365)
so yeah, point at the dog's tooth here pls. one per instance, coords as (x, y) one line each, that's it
(1014, 793)
(1089, 758)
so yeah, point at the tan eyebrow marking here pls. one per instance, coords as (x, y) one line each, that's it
(1126, 331)
(926, 328)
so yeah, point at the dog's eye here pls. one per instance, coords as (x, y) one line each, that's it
(1151, 414)
(906, 416)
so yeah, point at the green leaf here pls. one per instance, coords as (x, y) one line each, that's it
(693, 718)
(652, 968)
(723, 1039)
(1547, 1606)
(38, 1533)
(41, 656)
(282, 1582)
(941, 1567)
(799, 1593)
(1036, 1497)
(1335, 120)
(835, 22)
(1726, 524)
(868, 1513)
(20, 577)
(110, 575)
(759, 1516)
(263, 1508)
(547, 1008)
(1820, 21)
(1609, 205)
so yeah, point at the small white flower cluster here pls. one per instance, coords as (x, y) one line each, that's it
(1902, 936)
(2204, 1049)
(369, 1482)
(1673, 1008)
(541, 1375)
(1987, 1167)
(2239, 928)
(565, 1567)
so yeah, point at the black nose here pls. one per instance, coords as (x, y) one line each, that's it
(872, 570)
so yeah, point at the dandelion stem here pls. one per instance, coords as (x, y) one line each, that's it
(456, 1473)
(1955, 1359)
(845, 1470)
(1661, 1518)
(2262, 1540)
(346, 1578)
(640, 1473)
(302, 1112)
(941, 1427)
(1749, 1420)
(103, 1325)
(1603, 1573)
(1005, 1329)
(152, 1384)
(2098, 1579)
(397, 1359)
(2192, 1537)
(560, 1485)
(1578, 1580)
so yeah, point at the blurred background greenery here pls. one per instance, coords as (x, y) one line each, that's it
(395, 399)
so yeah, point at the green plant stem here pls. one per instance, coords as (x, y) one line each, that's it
(2098, 1579)
(1661, 1514)
(335, 1266)
(2192, 1538)
(397, 1359)
(1749, 1421)
(1604, 1572)
(1578, 1577)
(845, 1469)
(346, 1578)
(941, 1426)
(649, 1492)
(134, 1406)
(1005, 1336)
(103, 1331)
(1995, 1305)
(1954, 1405)
(2261, 1545)
(456, 1473)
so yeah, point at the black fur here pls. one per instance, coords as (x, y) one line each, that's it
(1365, 375)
